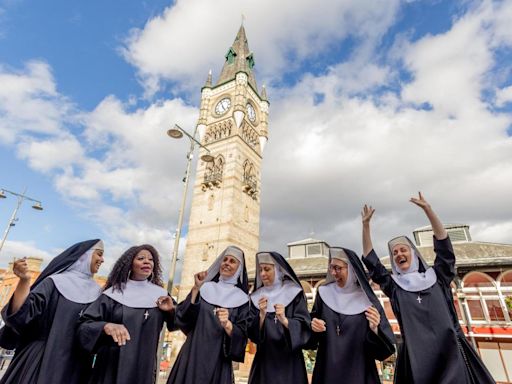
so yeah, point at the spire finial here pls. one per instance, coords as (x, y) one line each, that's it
(243, 19)
(209, 79)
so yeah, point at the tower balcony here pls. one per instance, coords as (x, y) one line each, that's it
(211, 180)
(250, 186)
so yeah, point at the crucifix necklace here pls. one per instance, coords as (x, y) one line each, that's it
(81, 313)
(146, 315)
(418, 299)
(340, 323)
(275, 319)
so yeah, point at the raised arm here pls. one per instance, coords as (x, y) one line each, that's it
(378, 272)
(437, 227)
(366, 216)
(20, 269)
(444, 263)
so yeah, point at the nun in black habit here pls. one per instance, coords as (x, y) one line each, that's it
(41, 319)
(281, 324)
(434, 348)
(214, 317)
(349, 326)
(123, 325)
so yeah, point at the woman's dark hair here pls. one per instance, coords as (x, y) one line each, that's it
(121, 270)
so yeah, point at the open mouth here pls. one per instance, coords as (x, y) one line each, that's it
(401, 260)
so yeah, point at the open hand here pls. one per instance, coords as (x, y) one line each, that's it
(318, 325)
(420, 201)
(367, 213)
(118, 332)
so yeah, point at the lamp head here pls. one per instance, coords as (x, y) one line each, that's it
(207, 158)
(2, 194)
(175, 132)
(37, 206)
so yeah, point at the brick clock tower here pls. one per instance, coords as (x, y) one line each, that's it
(233, 125)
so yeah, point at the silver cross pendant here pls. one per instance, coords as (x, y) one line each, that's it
(419, 298)
(146, 315)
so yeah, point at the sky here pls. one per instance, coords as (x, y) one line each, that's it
(370, 102)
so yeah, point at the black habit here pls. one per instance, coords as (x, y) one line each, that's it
(134, 362)
(43, 330)
(347, 350)
(206, 356)
(434, 348)
(279, 357)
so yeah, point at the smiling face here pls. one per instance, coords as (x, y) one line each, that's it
(96, 260)
(339, 270)
(229, 266)
(402, 256)
(267, 274)
(142, 265)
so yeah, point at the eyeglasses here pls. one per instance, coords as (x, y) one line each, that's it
(336, 268)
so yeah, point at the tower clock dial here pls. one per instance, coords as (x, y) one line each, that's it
(251, 113)
(222, 106)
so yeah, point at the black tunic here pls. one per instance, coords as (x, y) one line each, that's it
(207, 355)
(349, 355)
(134, 362)
(47, 352)
(434, 349)
(279, 357)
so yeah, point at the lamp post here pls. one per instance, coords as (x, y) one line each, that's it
(177, 133)
(12, 221)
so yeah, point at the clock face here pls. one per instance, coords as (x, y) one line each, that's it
(222, 106)
(251, 113)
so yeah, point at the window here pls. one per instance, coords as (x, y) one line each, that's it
(495, 310)
(475, 309)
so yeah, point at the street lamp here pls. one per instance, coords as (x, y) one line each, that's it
(37, 205)
(177, 133)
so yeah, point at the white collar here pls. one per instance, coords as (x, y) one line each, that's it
(76, 283)
(137, 294)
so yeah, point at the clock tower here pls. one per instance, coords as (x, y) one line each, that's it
(233, 125)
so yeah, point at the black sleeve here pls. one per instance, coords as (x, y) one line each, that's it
(378, 273)
(254, 332)
(299, 324)
(444, 264)
(170, 318)
(187, 313)
(234, 345)
(316, 312)
(90, 332)
(378, 345)
(35, 305)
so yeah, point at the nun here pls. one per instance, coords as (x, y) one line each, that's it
(349, 326)
(41, 319)
(281, 324)
(214, 318)
(122, 327)
(434, 348)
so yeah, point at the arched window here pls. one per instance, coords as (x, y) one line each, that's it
(478, 279)
(505, 279)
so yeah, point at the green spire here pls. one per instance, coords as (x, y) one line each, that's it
(238, 59)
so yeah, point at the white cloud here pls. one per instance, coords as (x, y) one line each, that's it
(503, 96)
(18, 249)
(29, 102)
(192, 36)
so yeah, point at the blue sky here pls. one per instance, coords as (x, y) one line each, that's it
(370, 102)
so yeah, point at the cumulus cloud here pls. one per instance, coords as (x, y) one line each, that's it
(192, 36)
(338, 139)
